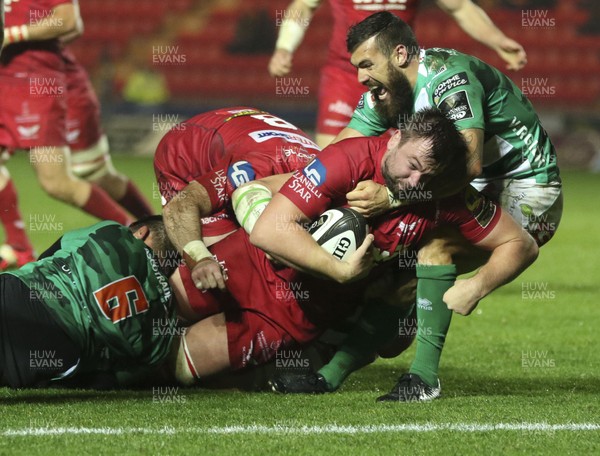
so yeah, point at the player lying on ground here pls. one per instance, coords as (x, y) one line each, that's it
(96, 306)
(509, 154)
(338, 89)
(253, 323)
(429, 145)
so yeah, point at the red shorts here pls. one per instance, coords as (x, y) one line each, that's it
(262, 309)
(339, 93)
(83, 110)
(34, 109)
(172, 178)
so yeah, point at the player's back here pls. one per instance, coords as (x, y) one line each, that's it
(217, 139)
(105, 288)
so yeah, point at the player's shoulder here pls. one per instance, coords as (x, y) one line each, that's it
(442, 64)
(354, 152)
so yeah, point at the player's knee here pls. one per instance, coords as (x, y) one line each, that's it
(185, 371)
(94, 163)
(61, 189)
(435, 252)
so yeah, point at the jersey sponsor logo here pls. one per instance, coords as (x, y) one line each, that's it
(303, 186)
(162, 280)
(28, 132)
(380, 5)
(240, 172)
(483, 209)
(264, 135)
(315, 172)
(214, 218)
(219, 182)
(452, 82)
(296, 154)
(361, 102)
(456, 106)
(407, 229)
(531, 142)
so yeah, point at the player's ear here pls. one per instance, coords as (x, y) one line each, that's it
(400, 56)
(142, 233)
(395, 139)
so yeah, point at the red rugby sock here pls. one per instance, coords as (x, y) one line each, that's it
(102, 206)
(135, 202)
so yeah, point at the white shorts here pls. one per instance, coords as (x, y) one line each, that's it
(536, 207)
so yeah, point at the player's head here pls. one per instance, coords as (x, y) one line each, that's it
(388, 30)
(152, 231)
(426, 146)
(382, 47)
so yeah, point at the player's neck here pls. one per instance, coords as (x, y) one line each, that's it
(412, 72)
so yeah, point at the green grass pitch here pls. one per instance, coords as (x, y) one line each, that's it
(519, 376)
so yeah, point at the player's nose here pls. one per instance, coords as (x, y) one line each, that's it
(414, 178)
(363, 77)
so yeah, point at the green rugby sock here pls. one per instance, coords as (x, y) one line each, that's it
(378, 324)
(433, 319)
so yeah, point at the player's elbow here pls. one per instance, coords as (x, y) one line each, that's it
(532, 250)
(68, 19)
(528, 251)
(474, 170)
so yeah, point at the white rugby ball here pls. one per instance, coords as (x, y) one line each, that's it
(339, 231)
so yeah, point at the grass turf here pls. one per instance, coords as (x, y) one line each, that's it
(522, 358)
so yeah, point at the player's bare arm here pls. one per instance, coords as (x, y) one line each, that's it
(182, 221)
(64, 22)
(280, 231)
(513, 250)
(79, 27)
(476, 23)
(296, 19)
(347, 133)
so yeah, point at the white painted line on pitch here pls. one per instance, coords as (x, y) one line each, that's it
(307, 430)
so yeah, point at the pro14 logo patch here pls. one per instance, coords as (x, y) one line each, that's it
(453, 81)
(315, 172)
(456, 106)
(240, 172)
(483, 209)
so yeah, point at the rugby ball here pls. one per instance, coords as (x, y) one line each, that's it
(340, 231)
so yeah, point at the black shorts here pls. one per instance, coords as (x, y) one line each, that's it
(33, 347)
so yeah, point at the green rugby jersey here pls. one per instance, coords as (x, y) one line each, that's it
(105, 289)
(476, 95)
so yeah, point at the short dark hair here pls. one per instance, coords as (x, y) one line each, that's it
(448, 149)
(156, 226)
(164, 251)
(150, 221)
(390, 31)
